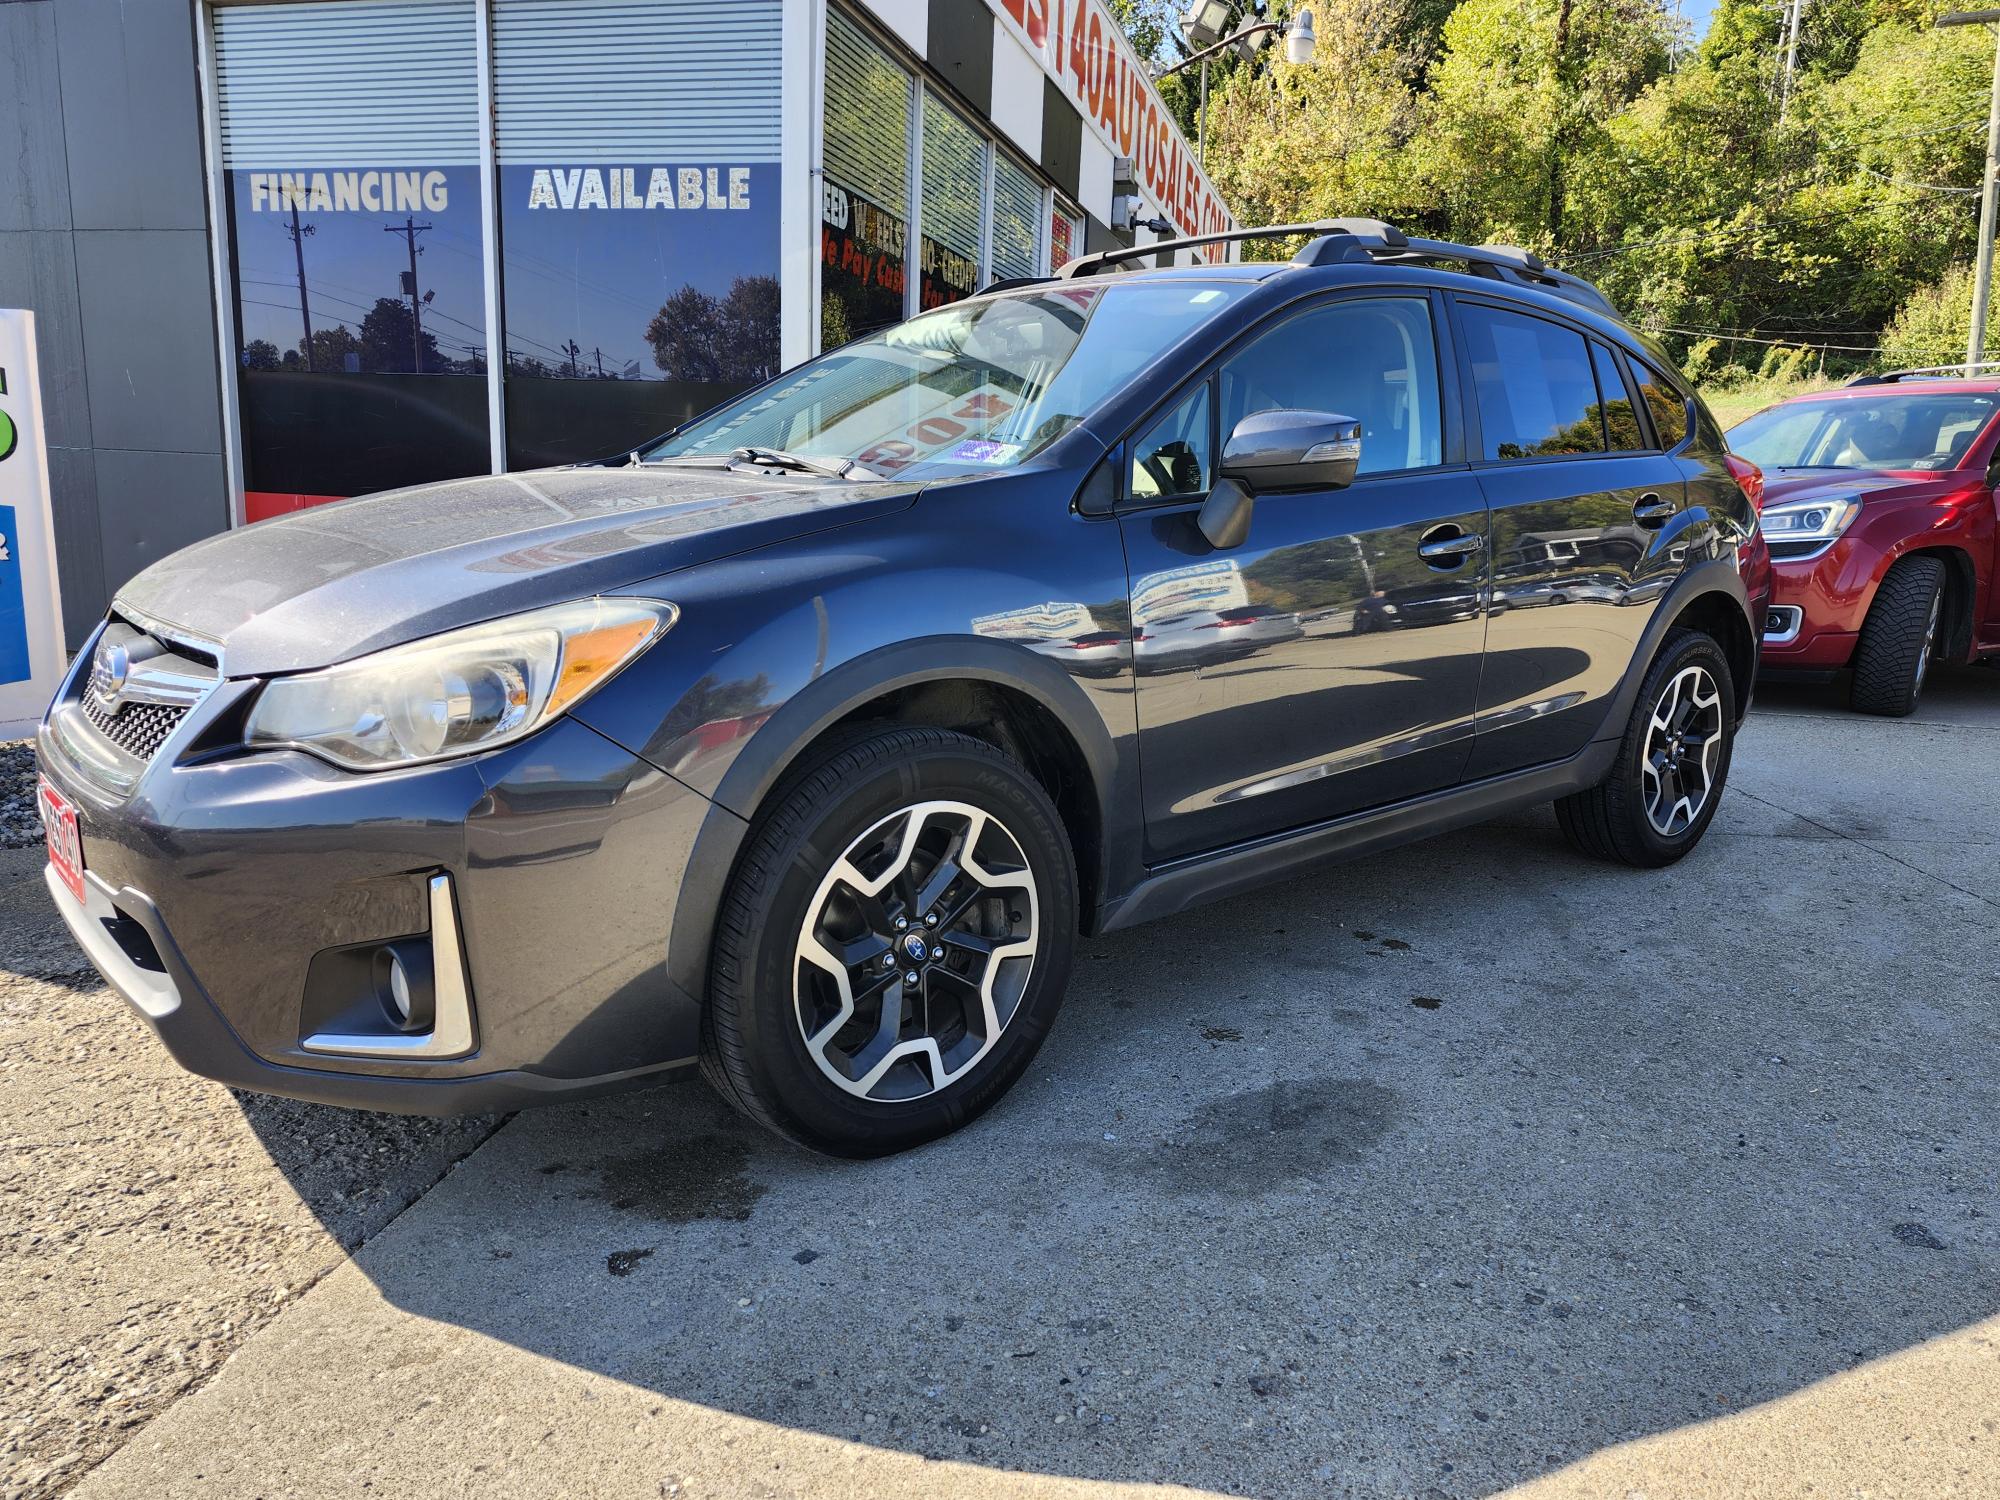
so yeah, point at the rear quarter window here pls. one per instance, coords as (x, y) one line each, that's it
(1668, 406)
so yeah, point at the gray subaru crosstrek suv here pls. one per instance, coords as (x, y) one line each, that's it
(804, 742)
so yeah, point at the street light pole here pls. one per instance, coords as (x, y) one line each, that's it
(1299, 44)
(1201, 118)
(1982, 276)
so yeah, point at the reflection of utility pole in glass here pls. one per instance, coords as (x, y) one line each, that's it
(298, 232)
(409, 231)
(1982, 278)
(1361, 556)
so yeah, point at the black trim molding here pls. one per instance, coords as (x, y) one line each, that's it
(1062, 140)
(959, 47)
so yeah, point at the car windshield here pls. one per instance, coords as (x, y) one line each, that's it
(970, 388)
(1907, 431)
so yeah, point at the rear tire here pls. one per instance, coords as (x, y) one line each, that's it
(838, 1015)
(1662, 791)
(1899, 638)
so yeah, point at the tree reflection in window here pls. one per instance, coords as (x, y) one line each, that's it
(696, 336)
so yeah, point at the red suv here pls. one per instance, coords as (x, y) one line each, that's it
(1879, 511)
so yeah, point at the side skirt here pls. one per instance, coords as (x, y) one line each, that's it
(1228, 872)
(1798, 676)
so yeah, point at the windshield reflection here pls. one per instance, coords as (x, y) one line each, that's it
(973, 387)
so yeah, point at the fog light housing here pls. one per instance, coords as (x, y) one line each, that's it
(404, 998)
(1782, 623)
(403, 985)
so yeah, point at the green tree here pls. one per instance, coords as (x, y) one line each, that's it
(388, 342)
(748, 320)
(1560, 125)
(1291, 143)
(1930, 327)
(331, 348)
(1525, 91)
(687, 336)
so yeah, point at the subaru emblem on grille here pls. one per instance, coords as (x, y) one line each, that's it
(109, 672)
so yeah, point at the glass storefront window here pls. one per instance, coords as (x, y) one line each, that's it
(635, 214)
(954, 178)
(1065, 235)
(638, 218)
(1017, 219)
(865, 204)
(964, 389)
(356, 252)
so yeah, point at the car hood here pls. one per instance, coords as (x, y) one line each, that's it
(1864, 484)
(341, 580)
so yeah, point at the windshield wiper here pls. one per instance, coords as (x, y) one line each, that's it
(778, 458)
(682, 461)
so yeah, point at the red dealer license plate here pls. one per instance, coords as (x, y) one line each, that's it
(65, 845)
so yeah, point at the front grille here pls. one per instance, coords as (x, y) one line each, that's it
(139, 687)
(139, 729)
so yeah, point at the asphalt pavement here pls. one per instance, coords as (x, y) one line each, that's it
(1470, 1166)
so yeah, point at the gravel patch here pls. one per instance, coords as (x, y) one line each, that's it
(151, 1221)
(20, 824)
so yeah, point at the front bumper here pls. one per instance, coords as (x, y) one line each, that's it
(564, 856)
(1821, 603)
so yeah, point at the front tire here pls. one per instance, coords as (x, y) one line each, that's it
(1662, 791)
(893, 946)
(1898, 638)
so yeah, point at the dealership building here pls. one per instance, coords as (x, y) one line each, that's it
(283, 253)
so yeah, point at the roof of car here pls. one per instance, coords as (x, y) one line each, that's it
(1331, 243)
(1961, 385)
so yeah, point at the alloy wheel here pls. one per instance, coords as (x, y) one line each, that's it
(916, 951)
(1683, 748)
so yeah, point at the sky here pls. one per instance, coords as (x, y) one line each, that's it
(1698, 13)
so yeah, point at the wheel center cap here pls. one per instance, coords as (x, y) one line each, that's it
(916, 948)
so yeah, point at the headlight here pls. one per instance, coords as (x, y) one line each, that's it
(1801, 528)
(456, 693)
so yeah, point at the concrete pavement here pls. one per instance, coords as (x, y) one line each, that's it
(151, 1221)
(1469, 1166)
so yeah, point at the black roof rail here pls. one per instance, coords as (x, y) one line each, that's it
(1512, 263)
(1360, 232)
(1012, 283)
(1930, 372)
(1371, 241)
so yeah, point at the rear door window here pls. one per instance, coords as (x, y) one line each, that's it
(1534, 385)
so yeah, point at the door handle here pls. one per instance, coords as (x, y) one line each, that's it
(1651, 510)
(1447, 546)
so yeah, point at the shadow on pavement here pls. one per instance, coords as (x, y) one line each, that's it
(1427, 1174)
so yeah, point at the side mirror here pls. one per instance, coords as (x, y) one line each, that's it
(1292, 450)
